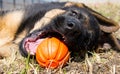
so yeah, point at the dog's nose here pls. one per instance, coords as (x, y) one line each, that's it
(70, 24)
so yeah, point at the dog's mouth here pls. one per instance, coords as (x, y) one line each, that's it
(31, 42)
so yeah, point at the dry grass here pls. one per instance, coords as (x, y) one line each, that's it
(101, 63)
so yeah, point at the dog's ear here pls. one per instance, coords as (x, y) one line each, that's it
(106, 25)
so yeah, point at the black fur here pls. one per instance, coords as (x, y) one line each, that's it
(35, 12)
(79, 27)
(79, 34)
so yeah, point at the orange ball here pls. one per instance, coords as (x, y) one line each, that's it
(51, 53)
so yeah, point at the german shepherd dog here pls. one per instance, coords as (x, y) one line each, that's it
(75, 24)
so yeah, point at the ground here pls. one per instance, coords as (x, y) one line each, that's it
(100, 63)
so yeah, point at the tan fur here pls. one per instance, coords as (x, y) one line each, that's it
(9, 24)
(74, 4)
(20, 36)
(109, 29)
(47, 18)
(8, 49)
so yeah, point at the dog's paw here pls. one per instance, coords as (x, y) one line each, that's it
(8, 50)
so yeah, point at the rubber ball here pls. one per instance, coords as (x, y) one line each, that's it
(52, 53)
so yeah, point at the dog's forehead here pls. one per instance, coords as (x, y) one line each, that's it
(47, 18)
(53, 13)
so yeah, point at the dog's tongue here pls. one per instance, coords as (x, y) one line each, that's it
(31, 46)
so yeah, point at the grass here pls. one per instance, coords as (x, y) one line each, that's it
(101, 63)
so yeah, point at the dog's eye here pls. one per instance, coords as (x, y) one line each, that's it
(74, 13)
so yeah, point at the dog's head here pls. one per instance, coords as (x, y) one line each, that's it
(78, 26)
